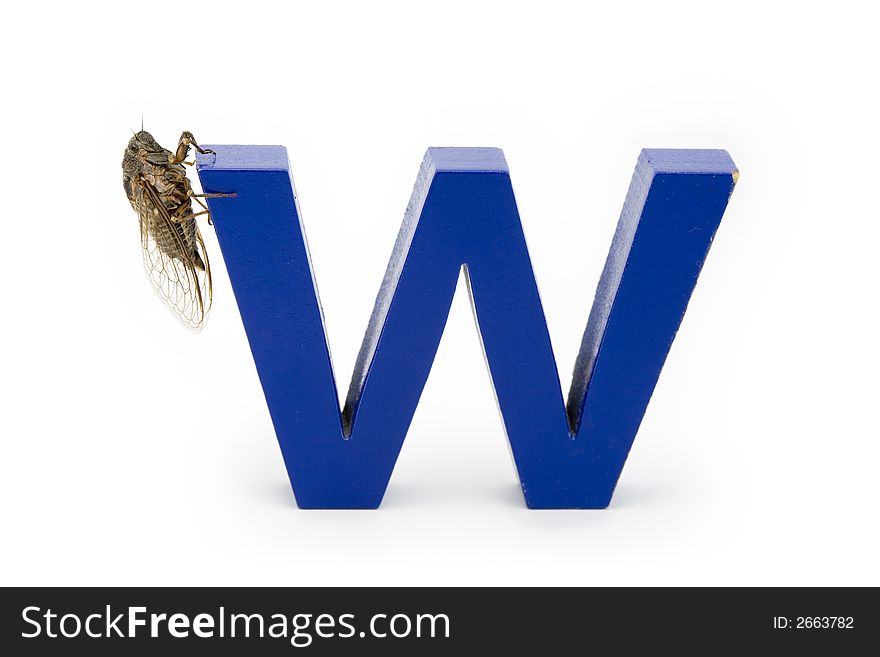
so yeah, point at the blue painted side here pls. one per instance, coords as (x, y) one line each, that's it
(463, 212)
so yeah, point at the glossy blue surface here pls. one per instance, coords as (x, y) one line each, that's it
(463, 213)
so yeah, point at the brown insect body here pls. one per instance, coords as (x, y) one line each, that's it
(158, 189)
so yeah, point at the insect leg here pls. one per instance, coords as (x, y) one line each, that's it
(198, 199)
(217, 195)
(187, 140)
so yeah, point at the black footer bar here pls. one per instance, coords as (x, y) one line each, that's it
(216, 621)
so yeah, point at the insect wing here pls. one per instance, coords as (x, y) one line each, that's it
(172, 271)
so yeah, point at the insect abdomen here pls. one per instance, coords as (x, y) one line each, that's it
(178, 240)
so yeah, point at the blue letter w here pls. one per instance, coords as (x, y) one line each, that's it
(463, 214)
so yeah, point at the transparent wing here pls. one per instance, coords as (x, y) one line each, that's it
(173, 258)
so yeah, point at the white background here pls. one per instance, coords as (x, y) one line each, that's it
(134, 452)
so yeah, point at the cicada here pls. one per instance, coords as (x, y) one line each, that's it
(174, 252)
